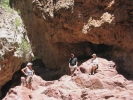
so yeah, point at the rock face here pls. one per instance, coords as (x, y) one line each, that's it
(11, 30)
(58, 28)
(106, 84)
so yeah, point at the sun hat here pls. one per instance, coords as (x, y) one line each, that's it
(28, 64)
(94, 54)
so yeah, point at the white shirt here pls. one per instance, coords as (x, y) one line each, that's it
(95, 61)
(29, 71)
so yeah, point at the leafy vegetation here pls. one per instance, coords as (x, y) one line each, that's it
(18, 11)
(35, 58)
(4, 3)
(25, 45)
(26, 48)
(17, 22)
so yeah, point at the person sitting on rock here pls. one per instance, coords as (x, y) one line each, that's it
(94, 65)
(29, 73)
(73, 61)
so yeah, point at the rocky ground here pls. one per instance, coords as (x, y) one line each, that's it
(106, 84)
(57, 28)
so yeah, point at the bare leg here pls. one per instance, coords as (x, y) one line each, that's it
(72, 72)
(27, 85)
(23, 82)
(30, 86)
(30, 80)
(93, 69)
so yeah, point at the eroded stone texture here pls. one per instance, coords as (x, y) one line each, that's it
(60, 27)
(11, 29)
(106, 84)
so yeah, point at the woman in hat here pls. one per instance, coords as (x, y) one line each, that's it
(94, 64)
(29, 73)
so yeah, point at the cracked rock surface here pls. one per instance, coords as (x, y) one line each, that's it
(11, 29)
(106, 84)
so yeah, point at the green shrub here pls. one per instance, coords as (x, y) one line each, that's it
(17, 22)
(25, 49)
(26, 46)
(4, 3)
(35, 58)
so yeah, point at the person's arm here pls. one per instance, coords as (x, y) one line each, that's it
(23, 70)
(32, 72)
(97, 60)
(77, 62)
(92, 60)
(69, 65)
(69, 62)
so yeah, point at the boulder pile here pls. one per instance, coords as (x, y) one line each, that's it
(106, 84)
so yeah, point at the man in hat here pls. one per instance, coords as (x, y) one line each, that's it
(73, 62)
(94, 66)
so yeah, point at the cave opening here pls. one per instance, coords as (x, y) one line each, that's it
(102, 50)
(16, 80)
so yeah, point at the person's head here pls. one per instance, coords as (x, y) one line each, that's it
(29, 65)
(72, 55)
(94, 55)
